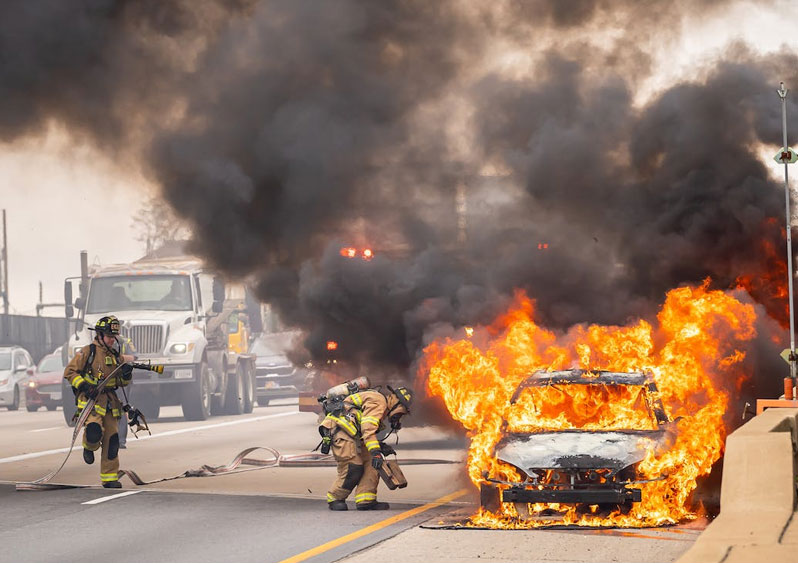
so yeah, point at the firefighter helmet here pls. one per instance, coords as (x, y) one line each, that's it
(404, 395)
(107, 325)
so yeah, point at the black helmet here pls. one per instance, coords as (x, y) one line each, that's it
(108, 325)
(404, 395)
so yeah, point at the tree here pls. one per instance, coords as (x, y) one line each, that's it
(158, 225)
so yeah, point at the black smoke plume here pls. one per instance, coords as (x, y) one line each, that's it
(283, 131)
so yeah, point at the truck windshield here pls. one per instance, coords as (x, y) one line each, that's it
(135, 293)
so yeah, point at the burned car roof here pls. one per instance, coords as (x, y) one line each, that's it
(568, 448)
(583, 377)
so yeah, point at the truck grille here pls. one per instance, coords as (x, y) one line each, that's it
(146, 338)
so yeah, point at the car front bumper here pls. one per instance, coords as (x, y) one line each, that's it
(589, 495)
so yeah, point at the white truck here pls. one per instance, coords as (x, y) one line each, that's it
(179, 315)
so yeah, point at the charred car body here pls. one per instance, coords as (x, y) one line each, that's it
(583, 465)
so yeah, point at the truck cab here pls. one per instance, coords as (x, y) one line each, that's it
(176, 314)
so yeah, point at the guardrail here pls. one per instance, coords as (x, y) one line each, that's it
(757, 521)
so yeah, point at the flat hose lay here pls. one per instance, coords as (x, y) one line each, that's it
(41, 483)
(276, 459)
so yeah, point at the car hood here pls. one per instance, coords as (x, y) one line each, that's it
(578, 450)
(44, 378)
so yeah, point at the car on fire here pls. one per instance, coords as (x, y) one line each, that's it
(43, 388)
(588, 465)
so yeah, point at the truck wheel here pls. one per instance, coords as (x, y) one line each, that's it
(249, 389)
(150, 407)
(218, 401)
(263, 402)
(32, 408)
(15, 404)
(52, 406)
(196, 401)
(234, 399)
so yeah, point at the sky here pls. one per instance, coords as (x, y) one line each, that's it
(62, 196)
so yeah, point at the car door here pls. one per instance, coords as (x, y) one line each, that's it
(20, 366)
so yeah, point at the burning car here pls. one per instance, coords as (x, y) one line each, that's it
(572, 456)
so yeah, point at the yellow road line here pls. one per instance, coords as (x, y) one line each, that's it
(375, 527)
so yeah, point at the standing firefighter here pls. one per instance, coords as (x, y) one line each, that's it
(84, 372)
(351, 432)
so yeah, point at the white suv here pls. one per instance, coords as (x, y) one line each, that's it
(15, 366)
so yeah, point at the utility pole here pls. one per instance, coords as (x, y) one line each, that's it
(788, 156)
(4, 258)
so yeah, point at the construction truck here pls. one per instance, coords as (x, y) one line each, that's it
(177, 314)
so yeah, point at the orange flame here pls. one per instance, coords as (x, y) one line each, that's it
(694, 356)
(348, 252)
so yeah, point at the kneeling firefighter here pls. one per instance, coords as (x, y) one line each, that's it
(89, 367)
(350, 431)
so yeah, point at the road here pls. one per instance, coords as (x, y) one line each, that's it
(268, 514)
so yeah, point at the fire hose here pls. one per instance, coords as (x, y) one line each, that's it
(276, 459)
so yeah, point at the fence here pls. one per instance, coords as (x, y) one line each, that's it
(38, 335)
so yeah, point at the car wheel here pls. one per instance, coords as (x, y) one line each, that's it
(15, 404)
(234, 399)
(263, 402)
(51, 406)
(249, 389)
(490, 497)
(196, 401)
(32, 408)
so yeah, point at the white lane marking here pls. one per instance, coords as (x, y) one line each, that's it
(110, 497)
(30, 455)
(46, 429)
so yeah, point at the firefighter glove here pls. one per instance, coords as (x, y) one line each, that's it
(387, 450)
(377, 459)
(325, 445)
(92, 392)
(127, 371)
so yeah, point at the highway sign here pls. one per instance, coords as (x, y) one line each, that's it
(789, 156)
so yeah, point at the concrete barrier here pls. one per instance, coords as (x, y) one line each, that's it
(757, 495)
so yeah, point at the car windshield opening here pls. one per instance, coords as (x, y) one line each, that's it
(51, 364)
(596, 407)
(136, 293)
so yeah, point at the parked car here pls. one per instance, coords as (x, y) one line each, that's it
(44, 386)
(580, 465)
(15, 366)
(275, 375)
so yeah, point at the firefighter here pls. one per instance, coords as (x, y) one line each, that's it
(352, 436)
(85, 371)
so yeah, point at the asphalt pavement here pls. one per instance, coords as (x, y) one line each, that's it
(270, 514)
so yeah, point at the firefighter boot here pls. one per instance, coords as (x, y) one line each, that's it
(88, 456)
(113, 485)
(373, 506)
(338, 505)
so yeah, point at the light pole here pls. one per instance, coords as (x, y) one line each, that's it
(787, 157)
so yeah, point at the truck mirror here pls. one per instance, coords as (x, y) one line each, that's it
(80, 302)
(69, 310)
(218, 295)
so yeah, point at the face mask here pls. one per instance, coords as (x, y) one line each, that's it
(396, 422)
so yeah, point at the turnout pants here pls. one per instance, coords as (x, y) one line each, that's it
(354, 471)
(101, 431)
